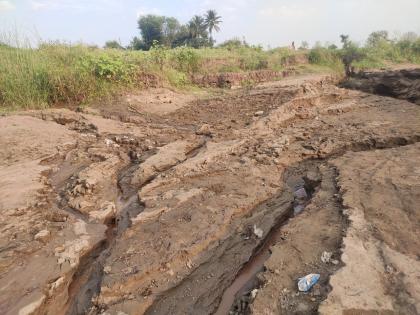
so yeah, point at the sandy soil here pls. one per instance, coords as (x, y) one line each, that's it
(213, 205)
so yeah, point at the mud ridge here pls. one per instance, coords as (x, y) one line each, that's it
(238, 296)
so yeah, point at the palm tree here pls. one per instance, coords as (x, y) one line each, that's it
(197, 27)
(212, 21)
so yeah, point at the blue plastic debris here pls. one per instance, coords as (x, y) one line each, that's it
(306, 283)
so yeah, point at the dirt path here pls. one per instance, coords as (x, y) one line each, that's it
(213, 205)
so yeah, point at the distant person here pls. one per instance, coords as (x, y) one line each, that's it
(293, 46)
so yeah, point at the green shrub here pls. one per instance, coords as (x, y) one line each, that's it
(324, 57)
(185, 59)
(177, 79)
(109, 67)
(158, 54)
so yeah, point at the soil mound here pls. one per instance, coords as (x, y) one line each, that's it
(401, 84)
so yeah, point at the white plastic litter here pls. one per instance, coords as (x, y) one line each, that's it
(258, 232)
(301, 194)
(307, 282)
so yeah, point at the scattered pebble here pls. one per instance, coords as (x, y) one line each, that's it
(326, 257)
(42, 235)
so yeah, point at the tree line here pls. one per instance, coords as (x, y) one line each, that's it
(169, 32)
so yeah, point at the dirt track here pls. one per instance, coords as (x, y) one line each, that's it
(188, 207)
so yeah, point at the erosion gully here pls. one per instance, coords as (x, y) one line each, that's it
(87, 281)
(246, 280)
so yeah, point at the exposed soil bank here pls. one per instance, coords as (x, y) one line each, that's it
(402, 84)
(177, 210)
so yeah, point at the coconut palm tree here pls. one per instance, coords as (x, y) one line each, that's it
(212, 21)
(197, 27)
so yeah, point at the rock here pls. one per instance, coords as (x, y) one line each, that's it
(43, 235)
(259, 113)
(205, 130)
(33, 307)
(55, 216)
(55, 285)
(254, 293)
(107, 211)
(326, 257)
(302, 307)
(107, 269)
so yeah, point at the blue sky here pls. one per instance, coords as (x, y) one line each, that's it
(267, 22)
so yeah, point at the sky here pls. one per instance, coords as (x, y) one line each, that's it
(271, 23)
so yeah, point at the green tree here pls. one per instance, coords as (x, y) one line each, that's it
(345, 40)
(197, 27)
(409, 37)
(182, 37)
(349, 54)
(212, 22)
(198, 35)
(234, 43)
(113, 44)
(136, 44)
(170, 29)
(376, 39)
(304, 45)
(151, 28)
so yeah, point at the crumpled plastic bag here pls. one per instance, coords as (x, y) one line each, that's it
(307, 282)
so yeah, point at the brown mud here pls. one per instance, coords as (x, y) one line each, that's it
(213, 205)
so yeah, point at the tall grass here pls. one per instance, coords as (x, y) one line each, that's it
(55, 73)
(380, 55)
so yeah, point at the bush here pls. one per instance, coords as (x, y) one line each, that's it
(109, 67)
(185, 59)
(324, 57)
(158, 54)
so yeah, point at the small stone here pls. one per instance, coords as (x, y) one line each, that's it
(254, 293)
(302, 307)
(42, 235)
(277, 272)
(59, 249)
(131, 250)
(335, 262)
(189, 264)
(316, 291)
(205, 130)
(326, 257)
(107, 269)
(259, 113)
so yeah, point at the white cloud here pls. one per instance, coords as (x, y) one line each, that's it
(6, 5)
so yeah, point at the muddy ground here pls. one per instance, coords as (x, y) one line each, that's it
(173, 203)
